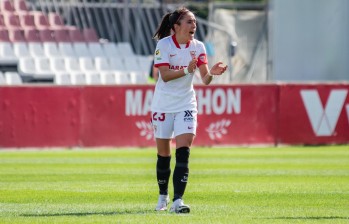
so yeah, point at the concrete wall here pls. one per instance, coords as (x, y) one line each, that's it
(309, 40)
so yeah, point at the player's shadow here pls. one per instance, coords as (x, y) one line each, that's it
(84, 213)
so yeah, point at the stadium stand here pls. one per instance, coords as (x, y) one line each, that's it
(40, 47)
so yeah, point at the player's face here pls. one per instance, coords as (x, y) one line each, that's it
(187, 27)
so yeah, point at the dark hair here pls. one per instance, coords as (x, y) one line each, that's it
(168, 22)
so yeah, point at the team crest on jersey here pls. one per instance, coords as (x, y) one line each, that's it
(192, 54)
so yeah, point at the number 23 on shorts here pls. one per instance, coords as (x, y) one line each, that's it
(158, 117)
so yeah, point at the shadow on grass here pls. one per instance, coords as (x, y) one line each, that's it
(310, 218)
(85, 213)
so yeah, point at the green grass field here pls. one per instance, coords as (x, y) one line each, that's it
(226, 185)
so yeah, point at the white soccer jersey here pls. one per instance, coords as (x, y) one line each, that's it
(176, 95)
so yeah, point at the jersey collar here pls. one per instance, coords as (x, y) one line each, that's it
(176, 42)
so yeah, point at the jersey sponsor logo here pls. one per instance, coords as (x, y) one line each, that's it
(190, 127)
(172, 55)
(173, 67)
(157, 52)
(192, 54)
(324, 120)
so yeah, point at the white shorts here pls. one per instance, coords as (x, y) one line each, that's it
(167, 125)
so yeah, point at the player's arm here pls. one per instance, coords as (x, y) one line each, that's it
(168, 74)
(208, 74)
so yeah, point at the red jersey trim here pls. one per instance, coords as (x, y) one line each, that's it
(162, 64)
(177, 44)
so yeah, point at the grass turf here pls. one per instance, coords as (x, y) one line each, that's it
(226, 185)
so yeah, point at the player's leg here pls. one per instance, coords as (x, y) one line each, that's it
(163, 131)
(163, 172)
(185, 130)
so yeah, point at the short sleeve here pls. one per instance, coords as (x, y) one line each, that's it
(202, 58)
(161, 54)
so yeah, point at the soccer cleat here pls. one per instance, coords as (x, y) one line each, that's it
(162, 203)
(179, 207)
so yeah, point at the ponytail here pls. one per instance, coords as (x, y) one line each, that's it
(168, 21)
(164, 28)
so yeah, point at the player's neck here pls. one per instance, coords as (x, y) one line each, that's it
(181, 40)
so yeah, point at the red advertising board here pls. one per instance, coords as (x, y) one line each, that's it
(314, 114)
(228, 115)
(119, 116)
(39, 116)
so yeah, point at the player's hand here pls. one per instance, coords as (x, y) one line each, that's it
(218, 69)
(192, 65)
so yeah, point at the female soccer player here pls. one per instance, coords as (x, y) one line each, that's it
(174, 108)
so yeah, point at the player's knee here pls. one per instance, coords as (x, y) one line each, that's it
(182, 156)
(163, 163)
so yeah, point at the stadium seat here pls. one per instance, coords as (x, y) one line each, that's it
(2, 79)
(81, 49)
(46, 35)
(32, 35)
(40, 19)
(6, 6)
(55, 20)
(2, 22)
(87, 64)
(26, 67)
(21, 49)
(145, 63)
(109, 78)
(72, 65)
(111, 50)
(27, 21)
(51, 49)
(90, 35)
(122, 77)
(12, 21)
(13, 78)
(20, 6)
(78, 78)
(36, 49)
(43, 68)
(58, 65)
(7, 54)
(116, 64)
(4, 35)
(131, 64)
(93, 78)
(61, 35)
(66, 49)
(75, 35)
(125, 48)
(62, 79)
(102, 64)
(138, 77)
(96, 49)
(16, 35)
